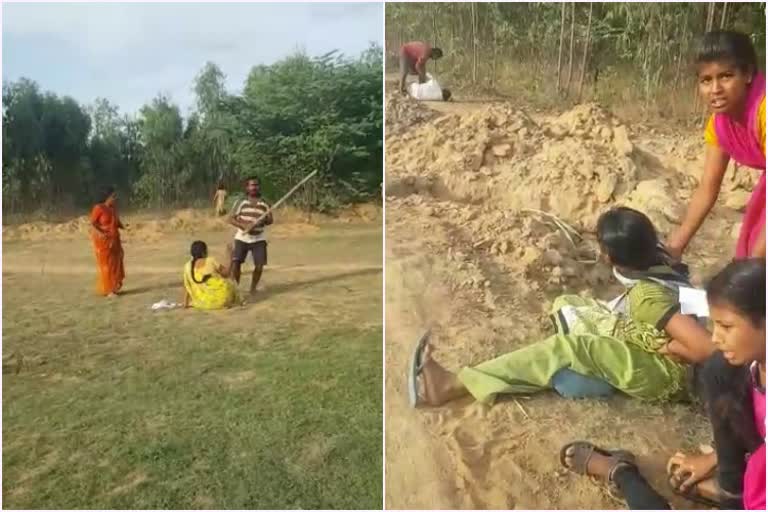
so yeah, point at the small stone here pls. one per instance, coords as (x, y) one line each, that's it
(737, 200)
(605, 189)
(501, 150)
(621, 140)
(552, 257)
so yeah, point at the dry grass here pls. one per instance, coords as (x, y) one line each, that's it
(275, 405)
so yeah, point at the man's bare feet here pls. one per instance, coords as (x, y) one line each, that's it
(438, 385)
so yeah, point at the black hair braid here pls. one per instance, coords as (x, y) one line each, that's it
(198, 250)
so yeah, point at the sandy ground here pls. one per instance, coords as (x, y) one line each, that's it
(472, 251)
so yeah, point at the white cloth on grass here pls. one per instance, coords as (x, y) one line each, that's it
(428, 91)
(164, 304)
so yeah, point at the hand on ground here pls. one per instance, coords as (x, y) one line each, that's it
(686, 470)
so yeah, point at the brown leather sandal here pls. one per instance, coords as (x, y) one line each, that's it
(583, 451)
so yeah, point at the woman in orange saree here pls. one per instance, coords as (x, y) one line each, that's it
(106, 245)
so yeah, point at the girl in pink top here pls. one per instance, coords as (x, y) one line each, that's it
(733, 386)
(732, 383)
(731, 85)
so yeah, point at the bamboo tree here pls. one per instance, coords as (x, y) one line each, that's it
(724, 15)
(587, 42)
(473, 14)
(570, 52)
(560, 47)
(710, 16)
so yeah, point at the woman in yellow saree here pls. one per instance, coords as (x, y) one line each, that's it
(206, 282)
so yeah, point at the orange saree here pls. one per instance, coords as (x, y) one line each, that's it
(108, 250)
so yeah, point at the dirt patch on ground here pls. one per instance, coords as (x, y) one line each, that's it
(145, 227)
(490, 215)
(403, 113)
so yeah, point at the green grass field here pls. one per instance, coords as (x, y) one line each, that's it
(274, 405)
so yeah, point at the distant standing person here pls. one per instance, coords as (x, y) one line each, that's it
(107, 247)
(219, 199)
(250, 236)
(413, 61)
(734, 89)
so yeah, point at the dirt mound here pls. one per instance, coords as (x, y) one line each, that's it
(403, 112)
(145, 227)
(519, 198)
(575, 165)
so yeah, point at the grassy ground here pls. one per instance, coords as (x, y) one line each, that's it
(274, 405)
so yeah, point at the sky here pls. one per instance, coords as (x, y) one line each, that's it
(128, 53)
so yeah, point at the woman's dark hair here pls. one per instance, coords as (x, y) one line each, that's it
(220, 186)
(728, 45)
(741, 286)
(253, 178)
(105, 192)
(728, 389)
(629, 238)
(198, 250)
(436, 53)
(446, 94)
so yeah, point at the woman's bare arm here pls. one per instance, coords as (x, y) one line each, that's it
(702, 201)
(690, 341)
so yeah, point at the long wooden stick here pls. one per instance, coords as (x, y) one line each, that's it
(294, 189)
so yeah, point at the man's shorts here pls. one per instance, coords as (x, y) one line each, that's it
(257, 249)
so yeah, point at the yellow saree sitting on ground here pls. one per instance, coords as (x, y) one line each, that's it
(216, 292)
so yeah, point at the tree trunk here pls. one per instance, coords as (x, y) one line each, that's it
(681, 32)
(570, 54)
(560, 49)
(724, 17)
(473, 15)
(710, 21)
(495, 46)
(435, 36)
(587, 42)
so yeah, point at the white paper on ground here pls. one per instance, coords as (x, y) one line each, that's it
(164, 304)
(693, 301)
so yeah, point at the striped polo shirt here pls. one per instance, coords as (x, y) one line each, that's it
(249, 210)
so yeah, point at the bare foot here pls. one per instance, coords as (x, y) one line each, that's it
(686, 470)
(438, 384)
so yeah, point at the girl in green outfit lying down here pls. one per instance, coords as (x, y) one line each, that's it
(639, 343)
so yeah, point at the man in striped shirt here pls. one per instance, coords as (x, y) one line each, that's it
(250, 237)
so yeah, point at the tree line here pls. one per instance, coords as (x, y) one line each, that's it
(290, 118)
(571, 51)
